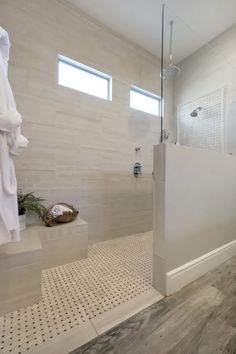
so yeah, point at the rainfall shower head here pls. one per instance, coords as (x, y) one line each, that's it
(195, 112)
(172, 70)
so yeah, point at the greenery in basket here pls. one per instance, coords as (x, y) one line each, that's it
(31, 204)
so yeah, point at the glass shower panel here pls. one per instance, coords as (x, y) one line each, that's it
(199, 86)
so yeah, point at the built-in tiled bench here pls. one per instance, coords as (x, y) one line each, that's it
(61, 244)
(20, 273)
(40, 248)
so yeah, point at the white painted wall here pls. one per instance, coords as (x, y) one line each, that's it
(194, 206)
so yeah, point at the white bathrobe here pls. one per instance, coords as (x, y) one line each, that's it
(11, 143)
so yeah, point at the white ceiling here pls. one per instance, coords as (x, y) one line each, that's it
(196, 21)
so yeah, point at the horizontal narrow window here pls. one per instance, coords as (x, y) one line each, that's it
(144, 101)
(82, 78)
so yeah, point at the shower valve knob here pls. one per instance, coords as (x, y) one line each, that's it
(137, 170)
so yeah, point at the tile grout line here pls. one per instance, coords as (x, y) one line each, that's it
(91, 320)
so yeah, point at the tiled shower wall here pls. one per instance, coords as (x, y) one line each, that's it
(82, 149)
(206, 130)
(206, 71)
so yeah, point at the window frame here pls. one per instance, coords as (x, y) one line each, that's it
(87, 69)
(147, 94)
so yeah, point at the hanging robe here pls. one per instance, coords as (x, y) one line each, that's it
(11, 143)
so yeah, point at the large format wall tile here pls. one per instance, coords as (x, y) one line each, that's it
(82, 148)
(20, 273)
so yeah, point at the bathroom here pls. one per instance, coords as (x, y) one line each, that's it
(83, 149)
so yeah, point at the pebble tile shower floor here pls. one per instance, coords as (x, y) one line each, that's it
(115, 272)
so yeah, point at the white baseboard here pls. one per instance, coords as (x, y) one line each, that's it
(179, 277)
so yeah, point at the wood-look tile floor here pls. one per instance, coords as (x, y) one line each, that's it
(199, 319)
(115, 272)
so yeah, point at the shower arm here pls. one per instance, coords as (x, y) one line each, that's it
(171, 42)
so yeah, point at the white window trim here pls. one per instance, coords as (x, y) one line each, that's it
(88, 69)
(147, 94)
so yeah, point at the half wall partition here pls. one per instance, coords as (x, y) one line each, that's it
(194, 178)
